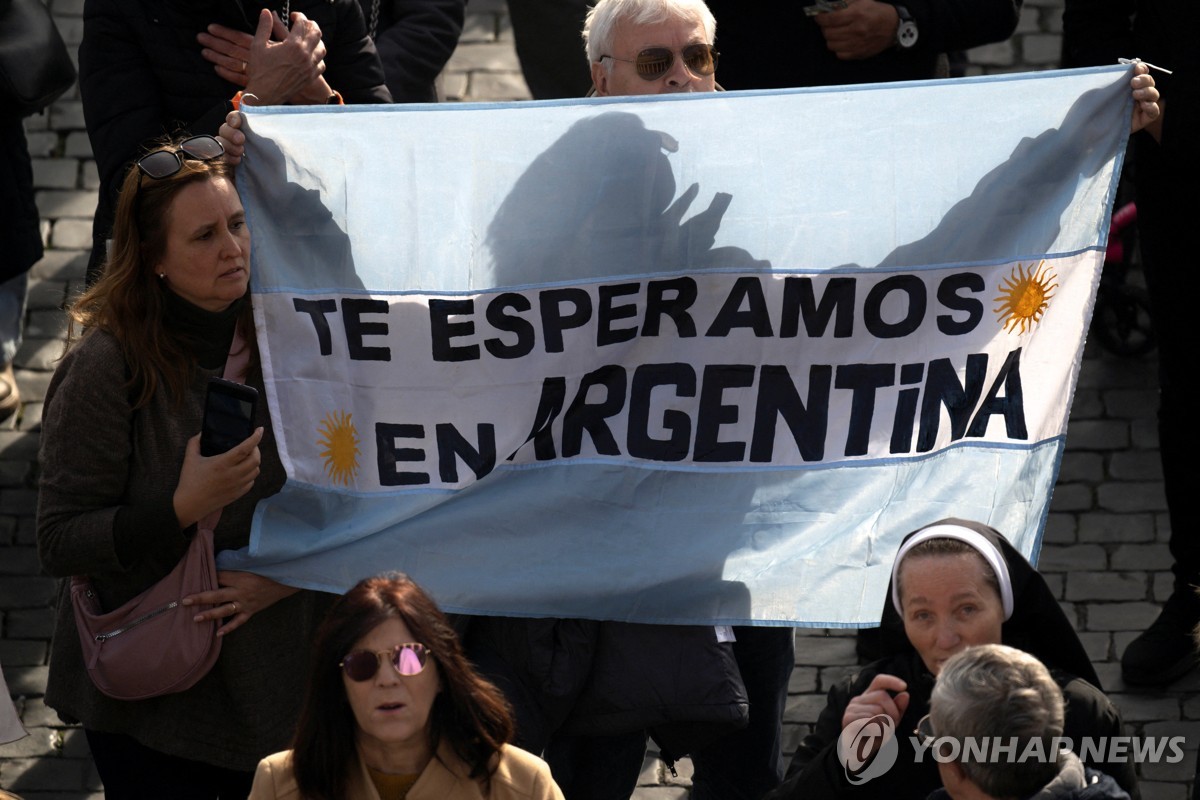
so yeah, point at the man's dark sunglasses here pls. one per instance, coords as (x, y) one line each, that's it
(166, 162)
(654, 62)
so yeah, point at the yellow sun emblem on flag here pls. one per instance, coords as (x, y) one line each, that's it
(1025, 296)
(339, 440)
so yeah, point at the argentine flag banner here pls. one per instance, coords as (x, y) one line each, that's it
(686, 359)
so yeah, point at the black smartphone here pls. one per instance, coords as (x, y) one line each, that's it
(228, 416)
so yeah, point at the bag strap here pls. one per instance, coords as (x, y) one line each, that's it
(235, 370)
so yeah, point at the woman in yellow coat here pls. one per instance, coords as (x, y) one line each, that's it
(395, 712)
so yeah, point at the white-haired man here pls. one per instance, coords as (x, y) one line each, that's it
(996, 695)
(651, 47)
(646, 47)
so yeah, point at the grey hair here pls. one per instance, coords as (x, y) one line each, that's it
(997, 691)
(602, 19)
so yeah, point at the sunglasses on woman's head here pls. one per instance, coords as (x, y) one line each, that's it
(166, 162)
(408, 659)
(654, 62)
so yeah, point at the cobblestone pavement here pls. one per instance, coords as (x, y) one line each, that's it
(1105, 551)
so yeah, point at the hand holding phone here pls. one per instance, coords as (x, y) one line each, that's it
(228, 416)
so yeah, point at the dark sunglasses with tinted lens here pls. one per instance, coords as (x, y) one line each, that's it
(407, 659)
(654, 62)
(166, 162)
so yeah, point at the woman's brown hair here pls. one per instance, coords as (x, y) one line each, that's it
(128, 299)
(470, 713)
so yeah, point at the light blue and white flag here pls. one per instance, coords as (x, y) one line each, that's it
(692, 359)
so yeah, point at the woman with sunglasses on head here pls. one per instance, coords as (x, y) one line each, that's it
(394, 711)
(124, 484)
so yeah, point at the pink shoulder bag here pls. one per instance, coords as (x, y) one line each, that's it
(150, 646)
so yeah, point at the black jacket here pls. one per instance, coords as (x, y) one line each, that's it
(415, 39)
(583, 677)
(20, 240)
(771, 44)
(141, 75)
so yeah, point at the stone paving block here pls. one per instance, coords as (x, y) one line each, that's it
(1143, 434)
(55, 203)
(1130, 403)
(1056, 583)
(26, 592)
(498, 86)
(998, 54)
(1116, 373)
(18, 446)
(33, 384)
(46, 325)
(1041, 49)
(1028, 22)
(23, 652)
(1081, 466)
(46, 295)
(18, 561)
(40, 354)
(804, 708)
(61, 265)
(75, 233)
(1170, 768)
(1153, 790)
(1087, 404)
(79, 146)
(1191, 708)
(1162, 526)
(831, 676)
(1096, 644)
(27, 680)
(1142, 556)
(31, 417)
(492, 57)
(40, 742)
(825, 651)
(71, 29)
(1097, 434)
(1120, 616)
(13, 473)
(67, 115)
(1107, 585)
(41, 144)
(1071, 497)
(36, 714)
(1073, 557)
(89, 176)
(804, 679)
(1110, 676)
(454, 85)
(1132, 496)
(1106, 528)
(75, 743)
(1060, 528)
(50, 774)
(478, 28)
(1164, 586)
(1188, 729)
(55, 173)
(34, 623)
(18, 502)
(1052, 22)
(70, 8)
(26, 531)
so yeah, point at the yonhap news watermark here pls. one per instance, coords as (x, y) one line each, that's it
(869, 748)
